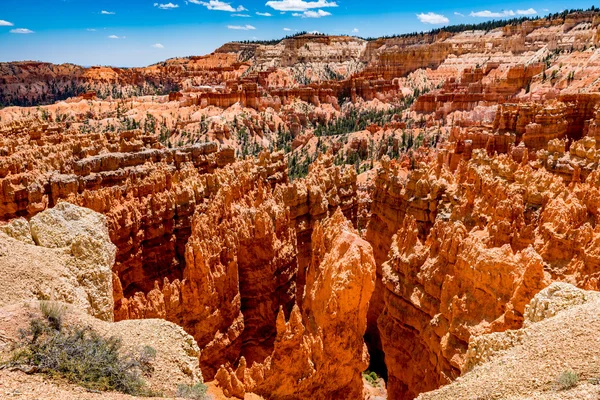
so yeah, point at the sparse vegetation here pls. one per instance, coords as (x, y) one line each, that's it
(53, 312)
(567, 379)
(371, 377)
(80, 355)
(196, 392)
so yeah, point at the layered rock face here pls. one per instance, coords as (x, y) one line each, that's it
(228, 298)
(444, 287)
(319, 353)
(247, 234)
(147, 192)
(326, 188)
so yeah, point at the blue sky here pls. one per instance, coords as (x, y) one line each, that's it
(142, 32)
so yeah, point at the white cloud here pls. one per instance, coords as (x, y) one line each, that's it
(312, 14)
(529, 11)
(502, 14)
(264, 14)
(90, 30)
(545, 9)
(355, 30)
(116, 37)
(158, 46)
(240, 15)
(218, 5)
(432, 18)
(241, 28)
(5, 23)
(459, 14)
(103, 12)
(22, 31)
(299, 5)
(167, 6)
(490, 14)
(287, 29)
(314, 32)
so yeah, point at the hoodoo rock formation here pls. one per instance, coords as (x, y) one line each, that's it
(228, 298)
(319, 353)
(315, 208)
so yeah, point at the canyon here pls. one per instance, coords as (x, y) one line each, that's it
(305, 213)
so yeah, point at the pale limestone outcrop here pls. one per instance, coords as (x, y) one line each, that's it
(557, 297)
(71, 260)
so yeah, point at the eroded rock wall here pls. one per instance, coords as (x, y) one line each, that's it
(319, 353)
(503, 232)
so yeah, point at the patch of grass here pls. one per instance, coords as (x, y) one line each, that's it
(371, 377)
(53, 312)
(567, 379)
(81, 355)
(195, 392)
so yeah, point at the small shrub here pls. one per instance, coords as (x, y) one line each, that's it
(81, 355)
(371, 377)
(53, 312)
(147, 356)
(196, 392)
(567, 380)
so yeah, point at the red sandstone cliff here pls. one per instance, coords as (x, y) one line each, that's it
(319, 353)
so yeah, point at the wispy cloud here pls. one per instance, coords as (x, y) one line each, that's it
(266, 14)
(116, 37)
(432, 18)
(158, 46)
(502, 14)
(22, 31)
(167, 6)
(104, 12)
(312, 14)
(287, 29)
(91, 30)
(545, 9)
(240, 15)
(299, 5)
(490, 14)
(241, 27)
(355, 30)
(459, 14)
(5, 23)
(218, 5)
(529, 11)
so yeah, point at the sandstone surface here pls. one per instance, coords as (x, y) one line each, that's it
(71, 260)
